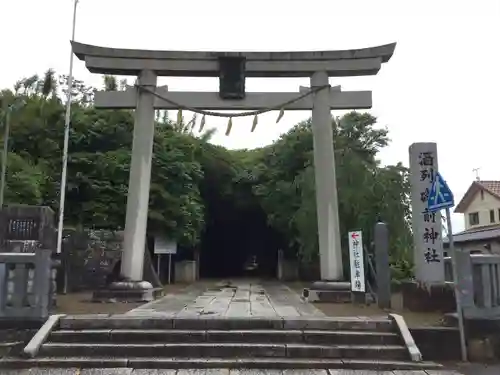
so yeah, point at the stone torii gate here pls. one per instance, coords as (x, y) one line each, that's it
(232, 68)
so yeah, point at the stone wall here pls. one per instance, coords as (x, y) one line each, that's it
(437, 343)
(89, 257)
(482, 335)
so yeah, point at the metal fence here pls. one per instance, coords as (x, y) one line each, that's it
(478, 283)
(26, 284)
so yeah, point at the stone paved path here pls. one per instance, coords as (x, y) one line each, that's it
(238, 299)
(125, 371)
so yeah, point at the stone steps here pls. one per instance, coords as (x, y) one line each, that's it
(203, 363)
(225, 350)
(224, 336)
(200, 342)
(86, 322)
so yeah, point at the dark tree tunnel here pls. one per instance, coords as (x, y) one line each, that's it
(233, 235)
(236, 228)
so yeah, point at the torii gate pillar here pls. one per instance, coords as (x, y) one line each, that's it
(136, 218)
(330, 251)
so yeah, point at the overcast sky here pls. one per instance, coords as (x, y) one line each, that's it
(440, 86)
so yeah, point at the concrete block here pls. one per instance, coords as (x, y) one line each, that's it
(62, 362)
(312, 351)
(115, 371)
(346, 351)
(189, 323)
(351, 338)
(243, 350)
(327, 296)
(191, 350)
(338, 323)
(255, 336)
(84, 321)
(244, 323)
(157, 335)
(387, 365)
(76, 336)
(150, 371)
(185, 272)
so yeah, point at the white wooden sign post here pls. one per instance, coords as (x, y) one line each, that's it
(357, 265)
(165, 246)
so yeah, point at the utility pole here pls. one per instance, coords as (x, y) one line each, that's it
(5, 153)
(67, 119)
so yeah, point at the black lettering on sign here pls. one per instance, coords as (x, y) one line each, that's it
(424, 196)
(426, 159)
(430, 235)
(429, 217)
(431, 256)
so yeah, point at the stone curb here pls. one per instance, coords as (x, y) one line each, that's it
(412, 348)
(31, 350)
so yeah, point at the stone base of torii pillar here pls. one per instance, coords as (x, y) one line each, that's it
(122, 289)
(126, 291)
